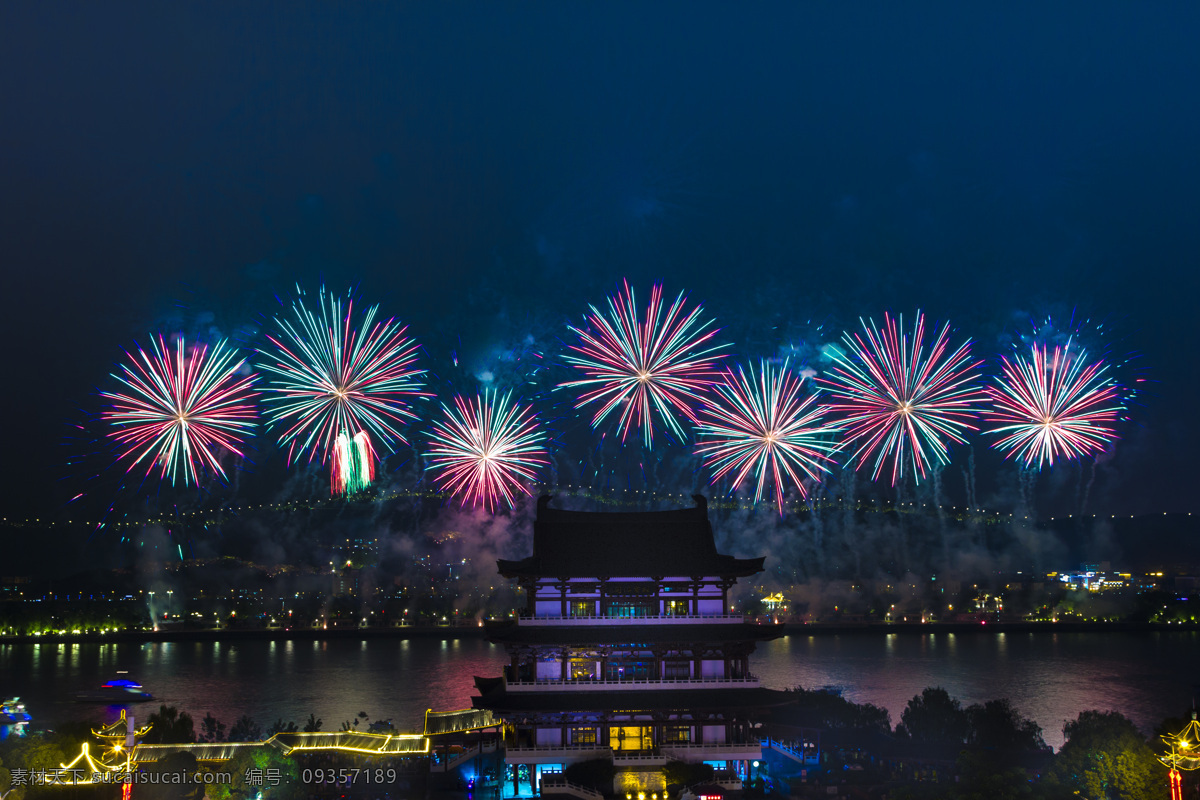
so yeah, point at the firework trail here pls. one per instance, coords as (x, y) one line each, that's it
(760, 425)
(483, 448)
(353, 463)
(902, 400)
(1053, 406)
(656, 366)
(179, 409)
(332, 377)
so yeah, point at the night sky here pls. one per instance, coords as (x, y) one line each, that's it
(486, 170)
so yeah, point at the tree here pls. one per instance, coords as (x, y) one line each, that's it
(290, 786)
(682, 773)
(243, 787)
(313, 725)
(169, 725)
(279, 726)
(822, 708)
(1106, 758)
(936, 721)
(38, 754)
(6, 790)
(382, 726)
(1173, 725)
(211, 730)
(997, 725)
(245, 730)
(171, 768)
(597, 774)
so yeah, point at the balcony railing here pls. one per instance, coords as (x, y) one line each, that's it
(527, 619)
(553, 783)
(656, 756)
(638, 758)
(750, 681)
(531, 754)
(693, 750)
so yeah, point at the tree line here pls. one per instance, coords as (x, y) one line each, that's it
(943, 749)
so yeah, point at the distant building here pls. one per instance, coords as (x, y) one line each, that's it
(626, 651)
(347, 582)
(14, 583)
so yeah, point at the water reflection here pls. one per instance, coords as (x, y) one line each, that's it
(1050, 677)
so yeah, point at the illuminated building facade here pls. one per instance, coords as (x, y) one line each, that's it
(627, 650)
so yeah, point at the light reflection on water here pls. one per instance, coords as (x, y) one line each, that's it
(1049, 677)
(387, 678)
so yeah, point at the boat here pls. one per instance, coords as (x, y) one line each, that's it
(118, 690)
(13, 718)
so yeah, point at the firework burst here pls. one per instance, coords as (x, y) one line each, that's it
(332, 377)
(901, 401)
(1053, 406)
(353, 463)
(179, 409)
(760, 425)
(653, 367)
(483, 448)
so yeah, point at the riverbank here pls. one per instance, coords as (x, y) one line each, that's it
(477, 632)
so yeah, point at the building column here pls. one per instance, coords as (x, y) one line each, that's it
(565, 656)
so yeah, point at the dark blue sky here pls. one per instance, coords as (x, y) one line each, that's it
(484, 170)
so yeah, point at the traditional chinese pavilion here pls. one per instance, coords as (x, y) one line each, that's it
(627, 649)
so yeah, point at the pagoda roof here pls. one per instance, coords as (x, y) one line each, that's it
(633, 633)
(507, 703)
(119, 729)
(626, 544)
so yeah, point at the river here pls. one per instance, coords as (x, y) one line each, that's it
(1050, 677)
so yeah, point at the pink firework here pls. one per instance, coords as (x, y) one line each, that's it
(902, 400)
(180, 408)
(1050, 407)
(484, 448)
(649, 368)
(761, 426)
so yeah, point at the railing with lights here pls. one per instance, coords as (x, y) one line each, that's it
(530, 620)
(723, 751)
(553, 783)
(638, 758)
(590, 685)
(530, 754)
